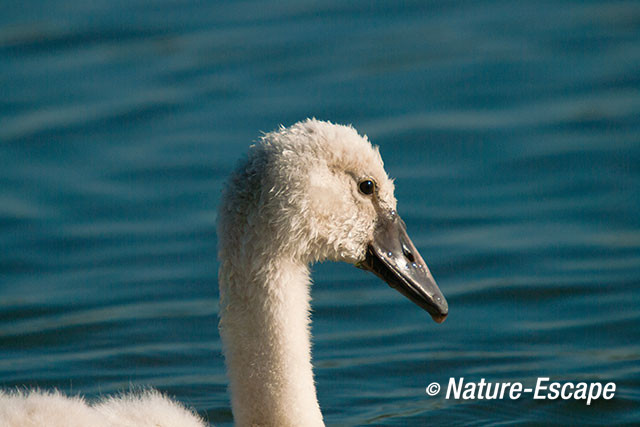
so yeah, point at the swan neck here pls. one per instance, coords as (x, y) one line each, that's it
(265, 327)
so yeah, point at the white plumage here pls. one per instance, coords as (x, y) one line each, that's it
(294, 201)
(52, 409)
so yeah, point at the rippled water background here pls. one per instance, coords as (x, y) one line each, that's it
(513, 131)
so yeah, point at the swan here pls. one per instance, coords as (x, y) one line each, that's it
(310, 192)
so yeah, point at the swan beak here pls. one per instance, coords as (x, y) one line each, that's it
(393, 257)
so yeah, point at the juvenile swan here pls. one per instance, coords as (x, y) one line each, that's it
(314, 191)
(311, 192)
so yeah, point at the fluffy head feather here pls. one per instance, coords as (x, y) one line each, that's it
(300, 186)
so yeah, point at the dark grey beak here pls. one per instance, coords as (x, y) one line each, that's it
(393, 257)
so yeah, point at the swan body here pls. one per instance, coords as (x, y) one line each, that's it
(311, 192)
(52, 409)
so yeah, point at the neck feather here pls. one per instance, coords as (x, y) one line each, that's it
(264, 325)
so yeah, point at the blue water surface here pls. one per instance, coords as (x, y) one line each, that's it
(513, 132)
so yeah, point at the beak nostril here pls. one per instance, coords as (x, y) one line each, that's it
(407, 253)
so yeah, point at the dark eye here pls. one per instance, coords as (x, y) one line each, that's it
(367, 186)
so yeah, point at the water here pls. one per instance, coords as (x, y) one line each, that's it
(513, 131)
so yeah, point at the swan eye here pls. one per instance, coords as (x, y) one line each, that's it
(367, 186)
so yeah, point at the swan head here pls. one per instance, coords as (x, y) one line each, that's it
(320, 192)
